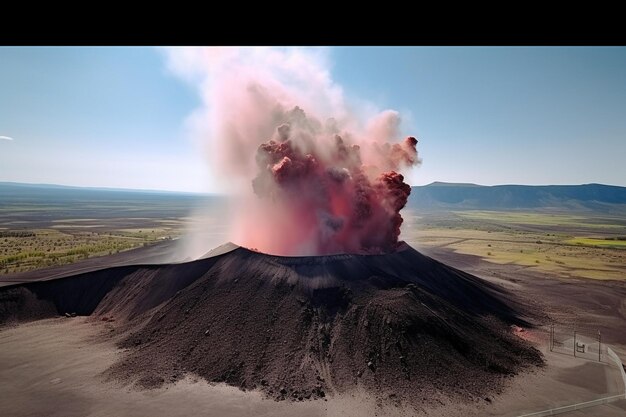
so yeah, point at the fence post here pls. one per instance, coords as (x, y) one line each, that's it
(551, 336)
(574, 343)
(599, 346)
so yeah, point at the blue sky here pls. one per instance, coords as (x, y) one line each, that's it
(116, 117)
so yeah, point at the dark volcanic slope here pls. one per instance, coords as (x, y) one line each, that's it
(401, 325)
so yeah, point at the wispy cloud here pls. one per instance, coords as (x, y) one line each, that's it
(5, 138)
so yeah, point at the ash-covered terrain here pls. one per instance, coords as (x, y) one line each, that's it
(401, 325)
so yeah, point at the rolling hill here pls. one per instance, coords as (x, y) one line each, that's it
(440, 195)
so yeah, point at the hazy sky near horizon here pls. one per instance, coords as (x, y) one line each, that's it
(118, 117)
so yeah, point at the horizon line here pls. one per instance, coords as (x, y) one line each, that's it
(152, 190)
(104, 188)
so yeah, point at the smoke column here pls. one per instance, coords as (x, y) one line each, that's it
(308, 175)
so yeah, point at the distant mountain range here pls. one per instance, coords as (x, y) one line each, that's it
(441, 195)
(436, 196)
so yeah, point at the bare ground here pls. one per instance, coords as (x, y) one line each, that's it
(63, 370)
(61, 374)
(300, 328)
(577, 304)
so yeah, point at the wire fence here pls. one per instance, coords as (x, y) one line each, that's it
(571, 342)
(574, 343)
(574, 407)
(613, 356)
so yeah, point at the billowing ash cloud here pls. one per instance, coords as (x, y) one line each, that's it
(310, 177)
(338, 200)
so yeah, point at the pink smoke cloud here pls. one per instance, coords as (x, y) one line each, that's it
(310, 176)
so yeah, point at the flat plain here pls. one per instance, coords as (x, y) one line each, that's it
(584, 244)
(45, 227)
(569, 265)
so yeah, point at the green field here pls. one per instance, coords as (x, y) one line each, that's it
(46, 227)
(581, 245)
(598, 242)
(25, 249)
(43, 226)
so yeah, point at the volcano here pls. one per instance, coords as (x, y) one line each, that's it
(399, 325)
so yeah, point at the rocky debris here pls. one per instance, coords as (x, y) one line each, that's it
(301, 327)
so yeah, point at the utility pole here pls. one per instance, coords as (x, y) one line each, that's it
(574, 343)
(599, 346)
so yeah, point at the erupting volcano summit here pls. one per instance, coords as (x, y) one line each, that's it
(335, 193)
